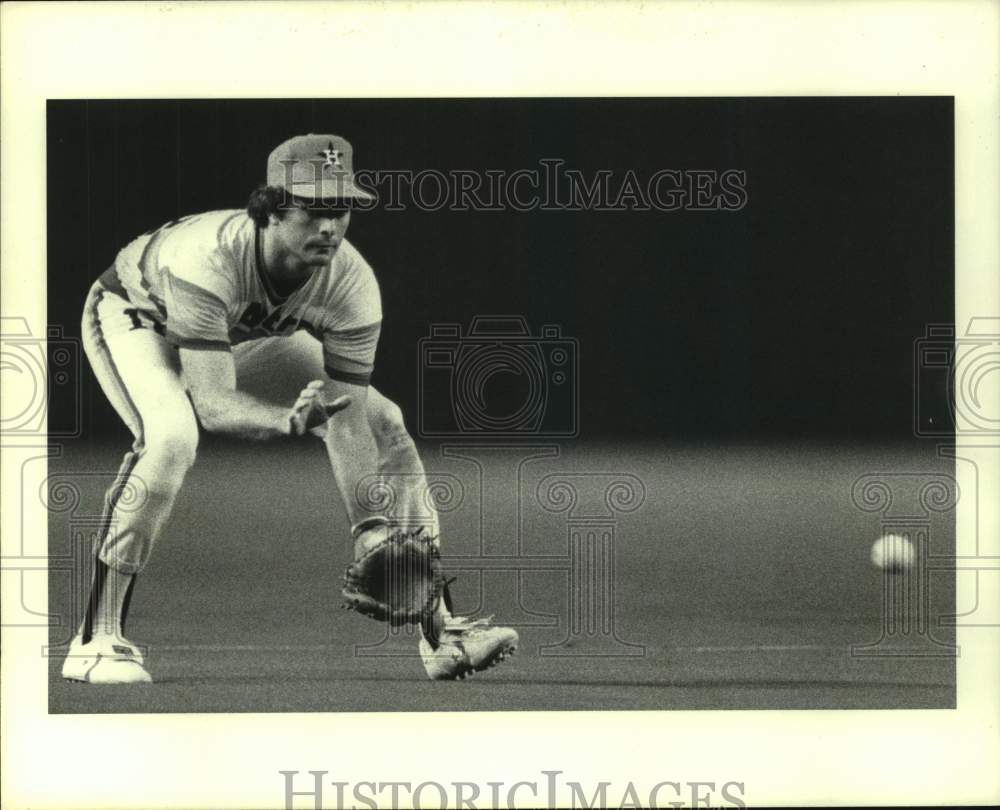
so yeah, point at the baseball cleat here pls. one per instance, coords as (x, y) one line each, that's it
(466, 647)
(105, 659)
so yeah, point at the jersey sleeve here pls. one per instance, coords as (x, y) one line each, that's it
(196, 317)
(349, 354)
(350, 338)
(198, 277)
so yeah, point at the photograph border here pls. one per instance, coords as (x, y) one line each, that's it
(169, 50)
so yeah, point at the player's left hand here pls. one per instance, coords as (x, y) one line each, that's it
(397, 576)
(309, 410)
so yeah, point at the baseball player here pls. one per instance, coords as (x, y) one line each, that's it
(260, 324)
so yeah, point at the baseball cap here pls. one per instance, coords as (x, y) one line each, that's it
(315, 167)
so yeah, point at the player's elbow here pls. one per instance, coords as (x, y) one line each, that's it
(349, 425)
(385, 418)
(209, 422)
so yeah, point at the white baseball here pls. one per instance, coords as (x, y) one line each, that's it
(893, 552)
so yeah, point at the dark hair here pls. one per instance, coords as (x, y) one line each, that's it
(267, 200)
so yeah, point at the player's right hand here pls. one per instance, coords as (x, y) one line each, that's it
(311, 411)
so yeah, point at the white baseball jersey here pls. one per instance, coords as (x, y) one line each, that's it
(200, 278)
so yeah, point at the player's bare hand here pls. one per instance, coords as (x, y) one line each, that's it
(311, 411)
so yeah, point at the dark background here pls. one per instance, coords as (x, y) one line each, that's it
(793, 318)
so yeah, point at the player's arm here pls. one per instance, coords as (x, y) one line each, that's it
(210, 375)
(349, 360)
(198, 326)
(354, 455)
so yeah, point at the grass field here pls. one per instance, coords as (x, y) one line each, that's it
(740, 580)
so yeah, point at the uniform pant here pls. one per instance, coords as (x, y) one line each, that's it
(140, 373)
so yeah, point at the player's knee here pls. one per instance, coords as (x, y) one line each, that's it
(386, 419)
(173, 449)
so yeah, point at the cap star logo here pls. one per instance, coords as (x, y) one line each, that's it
(332, 156)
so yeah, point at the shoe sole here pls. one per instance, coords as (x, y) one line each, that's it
(84, 677)
(106, 683)
(502, 655)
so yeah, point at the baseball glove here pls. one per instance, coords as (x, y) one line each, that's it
(398, 578)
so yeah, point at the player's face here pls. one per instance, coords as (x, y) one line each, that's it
(312, 236)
